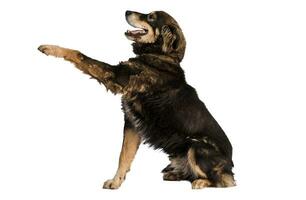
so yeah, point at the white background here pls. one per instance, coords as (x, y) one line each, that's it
(61, 133)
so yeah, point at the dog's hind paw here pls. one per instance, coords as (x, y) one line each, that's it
(171, 176)
(200, 183)
(112, 184)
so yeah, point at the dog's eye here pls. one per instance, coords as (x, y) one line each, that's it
(151, 17)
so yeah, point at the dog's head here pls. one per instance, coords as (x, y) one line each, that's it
(156, 32)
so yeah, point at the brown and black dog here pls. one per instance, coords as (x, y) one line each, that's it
(159, 107)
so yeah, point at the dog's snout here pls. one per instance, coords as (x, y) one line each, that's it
(128, 12)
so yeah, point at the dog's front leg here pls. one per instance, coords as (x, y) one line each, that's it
(101, 71)
(130, 145)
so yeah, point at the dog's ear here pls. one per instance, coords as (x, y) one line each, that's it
(170, 39)
(173, 41)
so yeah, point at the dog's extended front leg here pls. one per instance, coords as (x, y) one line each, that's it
(130, 145)
(101, 71)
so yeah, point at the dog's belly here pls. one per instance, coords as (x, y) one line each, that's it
(156, 134)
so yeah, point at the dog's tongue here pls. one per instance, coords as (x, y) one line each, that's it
(141, 31)
(137, 32)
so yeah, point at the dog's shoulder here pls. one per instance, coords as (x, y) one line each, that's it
(151, 73)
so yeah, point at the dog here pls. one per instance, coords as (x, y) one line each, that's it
(159, 107)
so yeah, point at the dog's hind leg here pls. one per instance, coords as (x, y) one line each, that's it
(199, 178)
(130, 145)
(209, 168)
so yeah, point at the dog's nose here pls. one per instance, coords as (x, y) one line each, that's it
(128, 12)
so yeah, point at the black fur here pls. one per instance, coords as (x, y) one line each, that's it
(174, 119)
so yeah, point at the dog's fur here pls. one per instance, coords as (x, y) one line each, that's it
(160, 108)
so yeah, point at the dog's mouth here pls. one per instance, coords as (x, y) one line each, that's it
(137, 32)
(143, 32)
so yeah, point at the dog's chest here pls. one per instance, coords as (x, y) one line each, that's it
(152, 126)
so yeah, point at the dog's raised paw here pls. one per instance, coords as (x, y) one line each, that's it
(52, 50)
(111, 184)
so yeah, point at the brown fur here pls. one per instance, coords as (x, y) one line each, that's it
(98, 70)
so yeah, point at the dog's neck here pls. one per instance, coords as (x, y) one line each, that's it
(145, 48)
(153, 49)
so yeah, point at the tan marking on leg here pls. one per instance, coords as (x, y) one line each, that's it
(130, 145)
(200, 183)
(193, 165)
(71, 55)
(60, 52)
